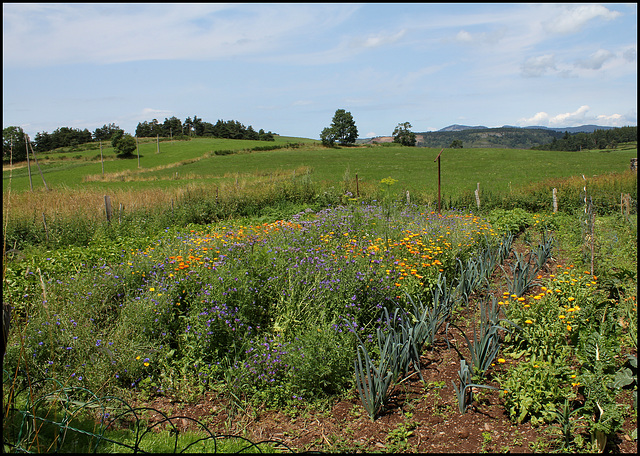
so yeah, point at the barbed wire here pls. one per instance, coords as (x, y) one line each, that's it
(46, 423)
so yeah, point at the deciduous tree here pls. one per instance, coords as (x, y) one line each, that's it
(403, 134)
(343, 129)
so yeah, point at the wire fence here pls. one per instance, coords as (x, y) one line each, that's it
(74, 419)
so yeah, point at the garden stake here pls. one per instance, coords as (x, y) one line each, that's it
(438, 160)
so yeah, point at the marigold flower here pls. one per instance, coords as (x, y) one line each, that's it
(561, 317)
(521, 298)
(571, 298)
(528, 322)
(568, 327)
(501, 360)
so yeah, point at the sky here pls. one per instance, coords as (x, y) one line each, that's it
(287, 67)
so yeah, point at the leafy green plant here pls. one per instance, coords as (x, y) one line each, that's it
(464, 392)
(564, 423)
(483, 349)
(373, 381)
(511, 221)
(542, 253)
(523, 275)
(533, 389)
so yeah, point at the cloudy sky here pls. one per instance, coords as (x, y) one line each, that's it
(287, 67)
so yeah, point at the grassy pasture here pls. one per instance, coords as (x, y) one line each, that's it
(497, 170)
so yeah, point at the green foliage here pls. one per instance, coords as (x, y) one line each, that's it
(599, 139)
(403, 135)
(522, 275)
(504, 137)
(343, 129)
(13, 145)
(373, 381)
(125, 145)
(512, 221)
(534, 388)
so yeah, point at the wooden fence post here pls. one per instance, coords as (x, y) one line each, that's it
(26, 144)
(555, 200)
(158, 143)
(478, 195)
(101, 158)
(107, 206)
(38, 165)
(357, 187)
(46, 230)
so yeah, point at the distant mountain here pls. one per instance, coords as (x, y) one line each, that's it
(456, 127)
(580, 129)
(507, 136)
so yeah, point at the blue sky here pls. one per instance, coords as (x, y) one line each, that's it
(288, 67)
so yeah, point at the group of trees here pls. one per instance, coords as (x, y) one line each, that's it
(344, 131)
(173, 127)
(599, 139)
(13, 140)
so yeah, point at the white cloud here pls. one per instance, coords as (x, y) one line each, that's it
(48, 34)
(595, 60)
(381, 39)
(577, 118)
(572, 19)
(630, 54)
(537, 66)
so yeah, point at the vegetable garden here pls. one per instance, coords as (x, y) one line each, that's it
(370, 314)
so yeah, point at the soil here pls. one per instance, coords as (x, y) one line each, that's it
(420, 417)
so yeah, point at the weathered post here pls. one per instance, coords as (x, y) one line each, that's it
(555, 200)
(438, 160)
(46, 230)
(357, 187)
(138, 151)
(38, 165)
(101, 158)
(26, 144)
(478, 195)
(158, 143)
(107, 207)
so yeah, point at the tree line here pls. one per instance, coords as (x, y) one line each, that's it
(173, 127)
(13, 137)
(599, 139)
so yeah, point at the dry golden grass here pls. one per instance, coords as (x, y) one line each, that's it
(90, 203)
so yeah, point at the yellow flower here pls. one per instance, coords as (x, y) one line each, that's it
(561, 317)
(568, 327)
(137, 357)
(571, 298)
(575, 384)
(501, 360)
(146, 364)
(152, 289)
(528, 322)
(521, 298)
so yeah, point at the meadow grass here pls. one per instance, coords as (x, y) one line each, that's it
(497, 170)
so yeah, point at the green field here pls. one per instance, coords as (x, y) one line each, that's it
(496, 170)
